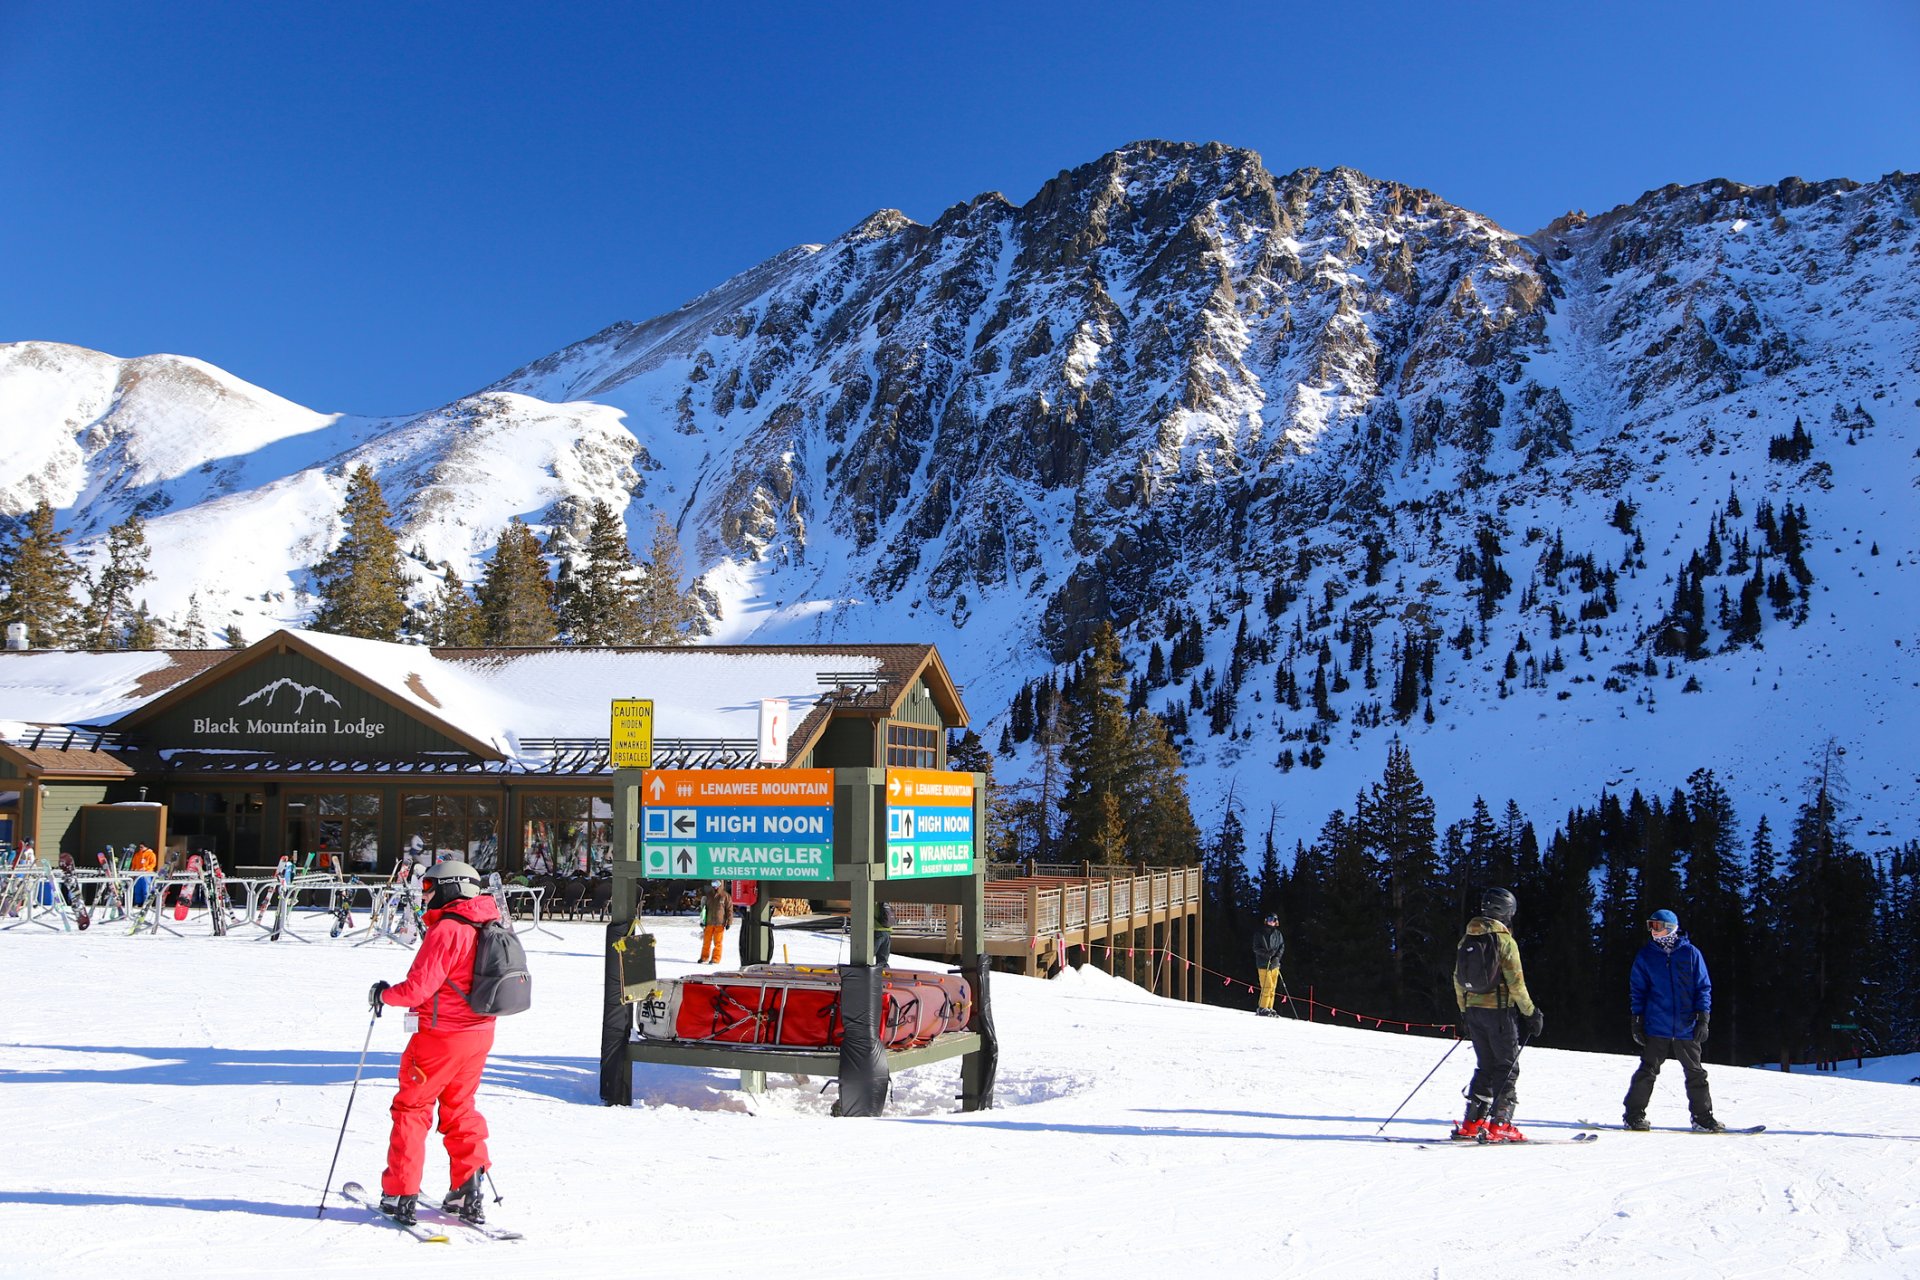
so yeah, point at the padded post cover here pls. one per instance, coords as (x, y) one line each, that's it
(864, 1080)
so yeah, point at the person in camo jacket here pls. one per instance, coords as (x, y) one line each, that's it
(1494, 1022)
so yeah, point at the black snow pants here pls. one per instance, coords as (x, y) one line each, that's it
(1655, 1052)
(1496, 1050)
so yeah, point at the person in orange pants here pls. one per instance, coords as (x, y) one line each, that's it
(716, 913)
(446, 1054)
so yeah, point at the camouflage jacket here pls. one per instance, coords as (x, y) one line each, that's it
(1513, 983)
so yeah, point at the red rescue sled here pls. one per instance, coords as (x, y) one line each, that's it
(798, 1006)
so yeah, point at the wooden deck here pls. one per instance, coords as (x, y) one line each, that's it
(1035, 913)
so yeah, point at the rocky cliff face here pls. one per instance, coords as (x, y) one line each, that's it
(1164, 384)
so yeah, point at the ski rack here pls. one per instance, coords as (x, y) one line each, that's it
(156, 901)
(284, 910)
(390, 903)
(34, 894)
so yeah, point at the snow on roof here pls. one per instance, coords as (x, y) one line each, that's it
(697, 693)
(435, 688)
(505, 696)
(495, 697)
(60, 686)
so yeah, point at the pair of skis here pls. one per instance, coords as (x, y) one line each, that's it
(1577, 1140)
(432, 1224)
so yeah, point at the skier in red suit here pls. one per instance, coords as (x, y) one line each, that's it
(446, 1053)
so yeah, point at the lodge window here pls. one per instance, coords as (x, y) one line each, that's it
(336, 825)
(913, 747)
(466, 827)
(566, 834)
(226, 823)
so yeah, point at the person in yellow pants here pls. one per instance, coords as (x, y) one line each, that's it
(716, 913)
(1268, 947)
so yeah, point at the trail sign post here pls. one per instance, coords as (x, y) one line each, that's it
(929, 824)
(736, 824)
(632, 737)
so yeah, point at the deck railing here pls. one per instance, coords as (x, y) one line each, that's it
(1069, 904)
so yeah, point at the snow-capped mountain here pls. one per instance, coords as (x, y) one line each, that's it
(1178, 391)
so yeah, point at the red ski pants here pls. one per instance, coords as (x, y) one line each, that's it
(442, 1067)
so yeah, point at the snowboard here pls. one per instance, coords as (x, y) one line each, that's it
(1675, 1128)
(183, 896)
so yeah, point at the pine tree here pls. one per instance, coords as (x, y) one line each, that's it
(1125, 796)
(231, 636)
(193, 632)
(1712, 905)
(966, 753)
(1829, 889)
(1228, 902)
(516, 596)
(142, 632)
(1760, 996)
(360, 585)
(600, 607)
(37, 580)
(453, 616)
(112, 595)
(1396, 827)
(664, 614)
(1347, 936)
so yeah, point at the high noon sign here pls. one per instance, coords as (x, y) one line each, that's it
(737, 824)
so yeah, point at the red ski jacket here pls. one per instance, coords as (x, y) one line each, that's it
(445, 960)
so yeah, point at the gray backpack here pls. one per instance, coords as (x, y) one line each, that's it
(501, 983)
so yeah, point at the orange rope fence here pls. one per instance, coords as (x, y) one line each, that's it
(1162, 955)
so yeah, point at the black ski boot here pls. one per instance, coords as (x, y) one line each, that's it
(1636, 1123)
(400, 1208)
(466, 1201)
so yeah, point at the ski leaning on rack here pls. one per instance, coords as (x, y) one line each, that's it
(216, 881)
(424, 1232)
(1577, 1140)
(1674, 1128)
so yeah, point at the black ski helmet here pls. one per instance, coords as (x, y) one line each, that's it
(1498, 904)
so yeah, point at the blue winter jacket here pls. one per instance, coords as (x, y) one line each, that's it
(1669, 988)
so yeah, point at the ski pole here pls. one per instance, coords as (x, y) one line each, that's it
(1289, 995)
(321, 1212)
(1423, 1081)
(497, 1197)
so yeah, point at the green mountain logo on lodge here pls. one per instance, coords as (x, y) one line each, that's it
(362, 728)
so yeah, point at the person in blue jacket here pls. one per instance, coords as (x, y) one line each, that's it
(1672, 998)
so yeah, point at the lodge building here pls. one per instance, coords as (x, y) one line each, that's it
(361, 750)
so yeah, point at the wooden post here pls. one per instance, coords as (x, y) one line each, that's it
(1199, 947)
(1033, 929)
(616, 1068)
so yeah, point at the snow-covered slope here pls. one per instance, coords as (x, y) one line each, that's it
(160, 1123)
(1164, 386)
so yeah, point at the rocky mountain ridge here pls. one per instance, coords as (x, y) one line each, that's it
(1175, 388)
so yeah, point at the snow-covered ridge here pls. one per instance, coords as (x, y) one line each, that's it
(1158, 382)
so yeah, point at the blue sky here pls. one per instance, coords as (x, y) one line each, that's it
(376, 208)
